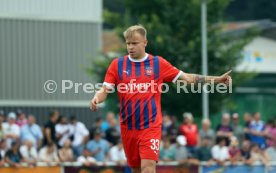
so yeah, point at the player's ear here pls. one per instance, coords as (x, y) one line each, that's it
(145, 42)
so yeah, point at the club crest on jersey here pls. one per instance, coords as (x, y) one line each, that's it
(148, 71)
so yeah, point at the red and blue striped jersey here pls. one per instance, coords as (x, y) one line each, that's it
(139, 84)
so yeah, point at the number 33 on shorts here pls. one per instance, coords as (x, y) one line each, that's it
(155, 145)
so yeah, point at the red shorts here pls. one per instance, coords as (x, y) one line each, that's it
(141, 144)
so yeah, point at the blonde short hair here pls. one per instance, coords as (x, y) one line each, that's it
(135, 28)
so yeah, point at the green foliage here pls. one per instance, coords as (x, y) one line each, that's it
(174, 32)
(251, 10)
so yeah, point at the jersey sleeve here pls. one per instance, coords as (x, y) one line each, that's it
(110, 79)
(168, 71)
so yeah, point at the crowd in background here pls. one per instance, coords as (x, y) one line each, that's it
(64, 139)
(229, 142)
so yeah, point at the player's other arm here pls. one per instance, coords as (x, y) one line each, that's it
(196, 78)
(108, 85)
(99, 97)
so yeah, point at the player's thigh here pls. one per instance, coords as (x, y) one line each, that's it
(131, 148)
(150, 144)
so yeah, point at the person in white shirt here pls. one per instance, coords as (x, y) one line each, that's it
(49, 153)
(29, 153)
(220, 151)
(80, 136)
(63, 131)
(11, 130)
(86, 159)
(117, 154)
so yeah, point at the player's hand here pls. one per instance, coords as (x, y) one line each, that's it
(93, 103)
(225, 78)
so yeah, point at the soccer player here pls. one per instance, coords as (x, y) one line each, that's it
(137, 78)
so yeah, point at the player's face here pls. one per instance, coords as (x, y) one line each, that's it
(136, 45)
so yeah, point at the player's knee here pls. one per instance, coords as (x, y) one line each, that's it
(148, 166)
(136, 170)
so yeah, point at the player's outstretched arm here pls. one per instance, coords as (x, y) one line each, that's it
(99, 97)
(196, 78)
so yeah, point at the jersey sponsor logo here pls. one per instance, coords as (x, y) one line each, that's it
(133, 87)
(138, 87)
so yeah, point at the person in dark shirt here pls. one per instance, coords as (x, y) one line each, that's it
(245, 151)
(204, 151)
(96, 125)
(247, 118)
(13, 156)
(112, 133)
(49, 128)
(224, 130)
(169, 128)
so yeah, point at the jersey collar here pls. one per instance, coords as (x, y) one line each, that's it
(138, 60)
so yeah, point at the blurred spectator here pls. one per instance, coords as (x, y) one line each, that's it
(224, 130)
(167, 151)
(109, 117)
(98, 147)
(21, 119)
(173, 130)
(190, 131)
(220, 151)
(63, 131)
(13, 156)
(166, 124)
(238, 130)
(270, 132)
(32, 132)
(96, 125)
(1, 132)
(169, 127)
(245, 151)
(112, 133)
(49, 153)
(247, 118)
(2, 151)
(117, 154)
(49, 128)
(257, 155)
(29, 153)
(206, 131)
(80, 136)
(11, 130)
(2, 116)
(2, 119)
(86, 159)
(203, 153)
(66, 153)
(234, 151)
(271, 151)
(181, 154)
(257, 131)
